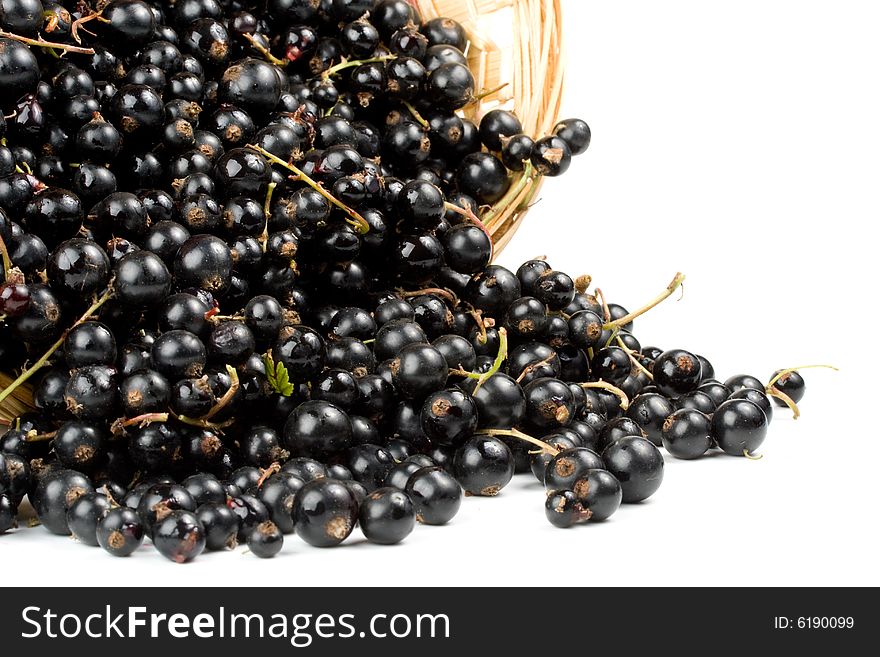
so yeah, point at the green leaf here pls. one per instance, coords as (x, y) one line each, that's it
(285, 387)
(278, 376)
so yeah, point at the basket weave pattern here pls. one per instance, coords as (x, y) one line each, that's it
(531, 67)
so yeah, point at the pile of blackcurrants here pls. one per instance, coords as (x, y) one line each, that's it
(246, 276)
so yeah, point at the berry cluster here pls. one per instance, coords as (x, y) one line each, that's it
(247, 272)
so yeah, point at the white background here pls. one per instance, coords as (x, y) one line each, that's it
(738, 143)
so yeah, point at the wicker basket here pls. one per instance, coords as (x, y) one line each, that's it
(526, 73)
(532, 65)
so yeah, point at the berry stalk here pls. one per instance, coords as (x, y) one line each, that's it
(626, 319)
(40, 42)
(356, 219)
(519, 435)
(28, 373)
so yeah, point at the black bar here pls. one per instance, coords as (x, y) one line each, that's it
(535, 621)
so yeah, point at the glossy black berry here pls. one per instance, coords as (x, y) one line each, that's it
(483, 466)
(179, 536)
(325, 512)
(638, 466)
(687, 434)
(120, 532)
(677, 372)
(436, 495)
(739, 427)
(266, 540)
(387, 516)
(84, 515)
(599, 493)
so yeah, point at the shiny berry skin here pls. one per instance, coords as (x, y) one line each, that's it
(501, 403)
(15, 298)
(556, 289)
(551, 156)
(449, 417)
(90, 343)
(278, 493)
(120, 532)
(387, 516)
(78, 266)
(687, 434)
(325, 512)
(53, 496)
(497, 126)
(204, 488)
(19, 70)
(435, 494)
(570, 465)
(80, 446)
(251, 84)
(15, 476)
(204, 262)
(137, 110)
(179, 536)
(697, 400)
(393, 336)
(483, 466)
(677, 372)
(91, 392)
(266, 540)
(638, 466)
(419, 370)
(142, 279)
(317, 429)
(493, 290)
(756, 397)
(451, 86)
(421, 203)
(369, 465)
(220, 524)
(791, 384)
(585, 329)
(739, 427)
(483, 177)
(305, 468)
(575, 133)
(143, 392)
(84, 515)
(55, 214)
(301, 350)
(549, 403)
(599, 493)
(8, 513)
(178, 354)
(740, 381)
(650, 411)
(418, 258)
(612, 365)
(563, 509)
(249, 509)
(159, 499)
(468, 249)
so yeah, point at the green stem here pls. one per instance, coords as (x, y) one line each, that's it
(514, 433)
(789, 370)
(626, 319)
(624, 400)
(499, 360)
(40, 42)
(7, 261)
(357, 221)
(525, 178)
(264, 236)
(333, 70)
(223, 402)
(418, 117)
(281, 63)
(28, 373)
